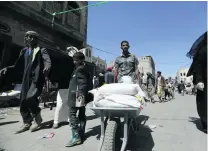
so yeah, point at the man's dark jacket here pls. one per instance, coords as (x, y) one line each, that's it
(40, 60)
(78, 84)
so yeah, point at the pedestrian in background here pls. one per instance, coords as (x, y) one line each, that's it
(160, 86)
(109, 76)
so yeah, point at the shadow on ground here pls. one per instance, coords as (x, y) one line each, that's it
(92, 117)
(197, 122)
(6, 123)
(139, 141)
(95, 131)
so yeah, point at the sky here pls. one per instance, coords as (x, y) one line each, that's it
(164, 30)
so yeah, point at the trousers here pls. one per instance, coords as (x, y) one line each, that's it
(29, 108)
(75, 120)
(62, 108)
(161, 92)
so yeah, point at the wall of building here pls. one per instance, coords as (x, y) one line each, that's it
(181, 75)
(146, 64)
(99, 62)
(88, 53)
(19, 17)
(73, 26)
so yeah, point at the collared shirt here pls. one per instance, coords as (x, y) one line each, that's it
(126, 65)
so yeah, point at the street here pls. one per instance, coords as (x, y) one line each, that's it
(174, 128)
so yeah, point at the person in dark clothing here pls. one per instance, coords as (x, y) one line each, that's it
(32, 64)
(101, 80)
(109, 76)
(199, 71)
(150, 86)
(78, 90)
(167, 94)
(95, 82)
(181, 87)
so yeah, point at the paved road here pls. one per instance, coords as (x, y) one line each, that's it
(176, 130)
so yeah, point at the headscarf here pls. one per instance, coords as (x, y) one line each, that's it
(197, 45)
(109, 69)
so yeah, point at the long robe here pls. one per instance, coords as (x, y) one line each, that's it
(32, 75)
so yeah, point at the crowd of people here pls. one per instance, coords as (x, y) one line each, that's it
(34, 64)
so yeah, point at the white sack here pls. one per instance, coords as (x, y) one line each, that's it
(130, 101)
(118, 88)
(140, 92)
(126, 79)
(118, 101)
(96, 94)
(107, 103)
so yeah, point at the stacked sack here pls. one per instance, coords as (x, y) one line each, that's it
(118, 95)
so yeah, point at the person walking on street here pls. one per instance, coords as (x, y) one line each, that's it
(109, 76)
(181, 87)
(160, 86)
(31, 66)
(77, 97)
(101, 80)
(199, 71)
(126, 64)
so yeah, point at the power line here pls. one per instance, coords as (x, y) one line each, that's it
(105, 51)
(71, 10)
(44, 8)
(84, 7)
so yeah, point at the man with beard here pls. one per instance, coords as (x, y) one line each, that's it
(199, 71)
(126, 64)
(32, 64)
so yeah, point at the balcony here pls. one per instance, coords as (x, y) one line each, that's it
(44, 18)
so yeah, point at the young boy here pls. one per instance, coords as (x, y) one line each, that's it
(78, 90)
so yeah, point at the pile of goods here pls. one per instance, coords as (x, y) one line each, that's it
(118, 95)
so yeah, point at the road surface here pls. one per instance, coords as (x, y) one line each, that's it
(176, 129)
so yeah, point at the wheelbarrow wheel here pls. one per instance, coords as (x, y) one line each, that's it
(110, 135)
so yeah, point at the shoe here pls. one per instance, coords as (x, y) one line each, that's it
(23, 128)
(55, 126)
(37, 121)
(75, 140)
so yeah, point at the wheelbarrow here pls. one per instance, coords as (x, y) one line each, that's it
(110, 125)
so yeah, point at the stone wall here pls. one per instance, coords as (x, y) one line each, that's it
(20, 25)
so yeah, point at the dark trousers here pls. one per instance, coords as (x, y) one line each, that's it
(75, 121)
(167, 93)
(201, 102)
(29, 108)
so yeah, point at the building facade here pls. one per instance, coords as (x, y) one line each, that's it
(87, 51)
(100, 63)
(69, 29)
(182, 75)
(146, 64)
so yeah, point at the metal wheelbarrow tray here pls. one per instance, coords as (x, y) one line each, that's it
(109, 128)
